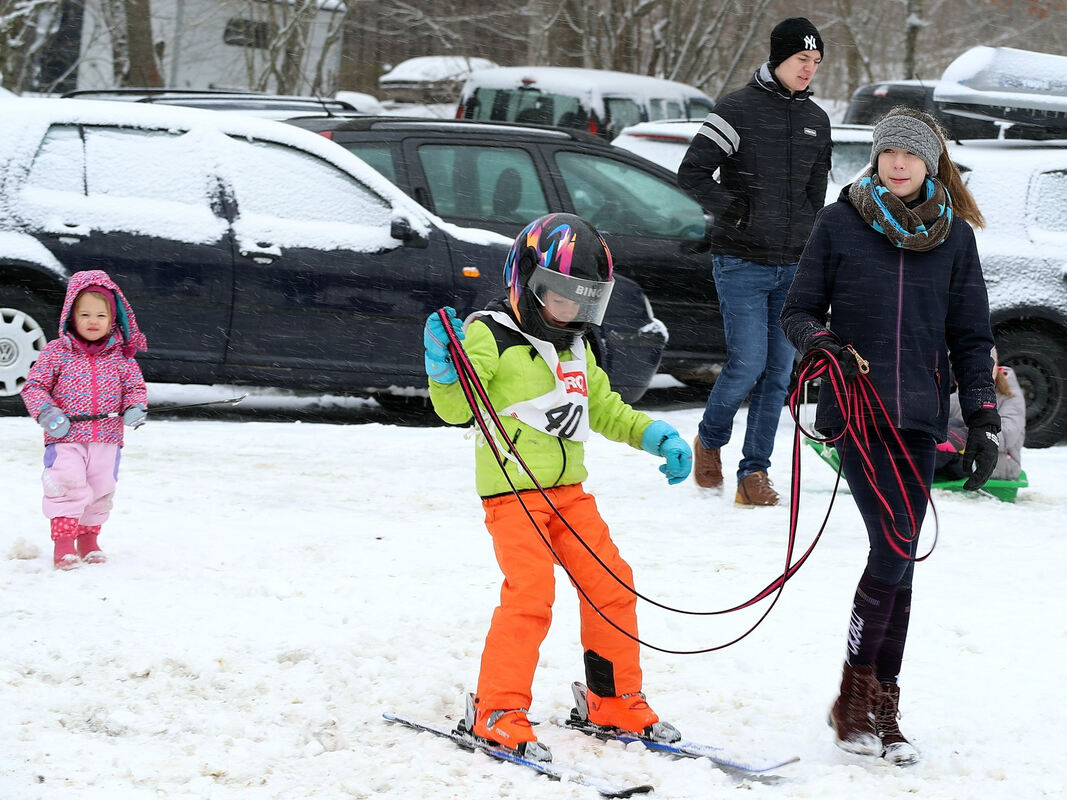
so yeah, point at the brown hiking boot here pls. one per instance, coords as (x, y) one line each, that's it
(755, 490)
(895, 748)
(707, 466)
(852, 714)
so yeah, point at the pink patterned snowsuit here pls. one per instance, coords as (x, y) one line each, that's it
(81, 469)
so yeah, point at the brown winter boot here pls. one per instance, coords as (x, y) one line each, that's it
(852, 714)
(707, 466)
(755, 490)
(895, 748)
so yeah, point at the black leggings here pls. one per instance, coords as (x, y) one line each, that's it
(884, 564)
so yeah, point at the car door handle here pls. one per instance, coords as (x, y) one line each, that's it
(262, 252)
(72, 233)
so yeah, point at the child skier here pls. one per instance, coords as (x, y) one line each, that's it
(542, 378)
(88, 370)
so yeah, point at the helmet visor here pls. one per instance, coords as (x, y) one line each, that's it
(576, 299)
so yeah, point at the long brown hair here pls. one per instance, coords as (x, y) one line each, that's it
(963, 202)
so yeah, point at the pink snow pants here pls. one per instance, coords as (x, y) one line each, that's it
(79, 480)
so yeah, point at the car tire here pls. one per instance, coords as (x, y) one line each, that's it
(1039, 358)
(24, 318)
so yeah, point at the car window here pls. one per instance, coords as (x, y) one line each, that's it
(619, 198)
(699, 107)
(122, 179)
(665, 108)
(483, 183)
(281, 181)
(163, 166)
(527, 106)
(847, 160)
(1050, 201)
(621, 111)
(59, 164)
(378, 154)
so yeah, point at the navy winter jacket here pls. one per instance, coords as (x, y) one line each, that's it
(910, 314)
(772, 151)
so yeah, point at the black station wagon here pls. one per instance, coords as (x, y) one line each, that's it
(501, 175)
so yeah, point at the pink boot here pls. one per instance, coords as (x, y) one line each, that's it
(88, 549)
(64, 530)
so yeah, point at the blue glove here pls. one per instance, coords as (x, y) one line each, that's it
(439, 364)
(135, 416)
(54, 421)
(660, 439)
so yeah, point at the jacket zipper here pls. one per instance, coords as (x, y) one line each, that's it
(96, 397)
(900, 315)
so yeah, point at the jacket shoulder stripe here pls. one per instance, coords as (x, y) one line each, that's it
(721, 132)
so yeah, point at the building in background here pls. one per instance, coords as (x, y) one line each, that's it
(266, 45)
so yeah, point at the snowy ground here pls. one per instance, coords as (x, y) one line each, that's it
(275, 586)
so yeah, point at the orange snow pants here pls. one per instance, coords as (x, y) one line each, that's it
(521, 621)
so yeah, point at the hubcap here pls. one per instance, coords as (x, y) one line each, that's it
(21, 342)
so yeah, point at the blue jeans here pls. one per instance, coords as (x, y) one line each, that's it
(759, 359)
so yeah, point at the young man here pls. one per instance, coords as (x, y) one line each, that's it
(771, 145)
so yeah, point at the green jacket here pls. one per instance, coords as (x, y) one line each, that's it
(511, 371)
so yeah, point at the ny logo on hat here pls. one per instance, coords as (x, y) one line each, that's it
(809, 42)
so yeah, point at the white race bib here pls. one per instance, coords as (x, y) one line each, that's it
(564, 411)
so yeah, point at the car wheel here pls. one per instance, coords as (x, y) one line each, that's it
(23, 319)
(1039, 358)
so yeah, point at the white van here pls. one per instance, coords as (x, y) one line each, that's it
(594, 100)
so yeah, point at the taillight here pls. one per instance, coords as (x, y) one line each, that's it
(592, 126)
(460, 108)
(327, 134)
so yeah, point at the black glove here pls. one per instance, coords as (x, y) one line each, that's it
(983, 447)
(845, 357)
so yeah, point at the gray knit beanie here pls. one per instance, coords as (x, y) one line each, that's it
(907, 133)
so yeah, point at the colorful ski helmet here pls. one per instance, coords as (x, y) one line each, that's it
(559, 253)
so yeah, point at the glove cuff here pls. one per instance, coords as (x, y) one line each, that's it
(655, 435)
(985, 418)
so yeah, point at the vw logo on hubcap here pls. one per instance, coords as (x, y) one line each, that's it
(9, 352)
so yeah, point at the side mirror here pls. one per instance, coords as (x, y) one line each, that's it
(400, 228)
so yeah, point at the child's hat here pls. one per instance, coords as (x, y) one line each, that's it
(109, 296)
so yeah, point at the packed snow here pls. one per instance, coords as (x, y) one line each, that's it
(275, 586)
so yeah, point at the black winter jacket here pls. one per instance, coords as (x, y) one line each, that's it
(908, 313)
(772, 150)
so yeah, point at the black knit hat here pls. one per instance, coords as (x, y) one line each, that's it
(791, 36)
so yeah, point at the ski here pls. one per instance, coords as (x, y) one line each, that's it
(550, 769)
(743, 769)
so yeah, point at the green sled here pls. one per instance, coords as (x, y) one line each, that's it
(1000, 489)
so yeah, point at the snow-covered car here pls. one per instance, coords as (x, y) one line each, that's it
(598, 101)
(1021, 188)
(666, 141)
(253, 252)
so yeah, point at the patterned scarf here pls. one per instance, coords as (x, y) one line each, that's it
(922, 227)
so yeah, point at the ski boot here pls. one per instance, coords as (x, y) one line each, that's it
(630, 713)
(507, 728)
